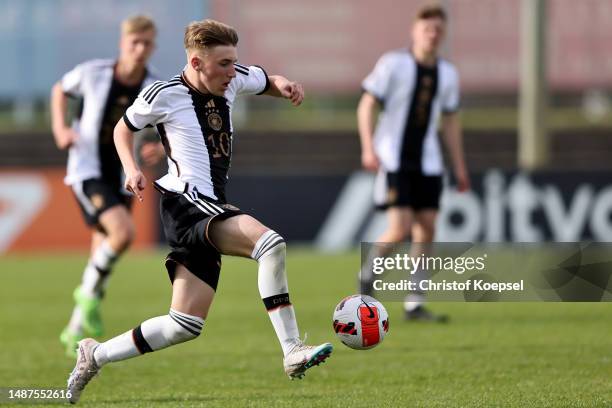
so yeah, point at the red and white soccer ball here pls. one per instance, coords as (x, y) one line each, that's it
(361, 322)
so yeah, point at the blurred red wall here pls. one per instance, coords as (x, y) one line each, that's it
(39, 212)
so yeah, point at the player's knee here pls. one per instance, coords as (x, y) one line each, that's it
(182, 327)
(270, 244)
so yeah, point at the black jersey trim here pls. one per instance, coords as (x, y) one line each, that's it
(168, 85)
(380, 100)
(418, 119)
(242, 69)
(152, 92)
(129, 124)
(267, 86)
(190, 87)
(451, 111)
(154, 86)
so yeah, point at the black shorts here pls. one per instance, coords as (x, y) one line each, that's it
(186, 218)
(96, 196)
(407, 189)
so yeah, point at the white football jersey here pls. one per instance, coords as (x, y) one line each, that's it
(412, 97)
(195, 128)
(92, 82)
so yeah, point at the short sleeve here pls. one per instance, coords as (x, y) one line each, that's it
(377, 82)
(72, 81)
(147, 110)
(251, 80)
(451, 98)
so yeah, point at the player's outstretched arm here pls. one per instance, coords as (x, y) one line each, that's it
(453, 138)
(281, 87)
(63, 134)
(135, 181)
(365, 123)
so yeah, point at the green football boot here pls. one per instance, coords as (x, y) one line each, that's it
(70, 341)
(90, 306)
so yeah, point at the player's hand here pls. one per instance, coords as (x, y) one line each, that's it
(65, 137)
(294, 91)
(152, 153)
(135, 182)
(369, 161)
(463, 180)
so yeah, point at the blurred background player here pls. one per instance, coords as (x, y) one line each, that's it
(106, 87)
(412, 88)
(192, 113)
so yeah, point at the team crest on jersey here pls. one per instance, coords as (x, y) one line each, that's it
(97, 200)
(215, 121)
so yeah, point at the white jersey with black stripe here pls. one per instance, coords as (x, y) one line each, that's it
(195, 128)
(396, 83)
(90, 81)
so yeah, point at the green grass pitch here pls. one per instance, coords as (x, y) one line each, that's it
(489, 355)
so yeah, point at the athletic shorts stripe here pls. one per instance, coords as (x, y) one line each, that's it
(205, 210)
(212, 205)
(206, 207)
(83, 199)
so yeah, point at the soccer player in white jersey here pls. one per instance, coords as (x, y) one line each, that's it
(106, 88)
(192, 113)
(412, 88)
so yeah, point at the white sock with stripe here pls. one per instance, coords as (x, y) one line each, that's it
(95, 279)
(98, 270)
(152, 335)
(269, 252)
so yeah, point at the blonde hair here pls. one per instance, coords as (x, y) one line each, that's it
(200, 35)
(137, 24)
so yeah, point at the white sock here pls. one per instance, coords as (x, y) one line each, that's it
(98, 270)
(416, 298)
(413, 300)
(75, 325)
(270, 251)
(152, 335)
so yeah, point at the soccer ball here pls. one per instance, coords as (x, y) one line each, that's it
(361, 322)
